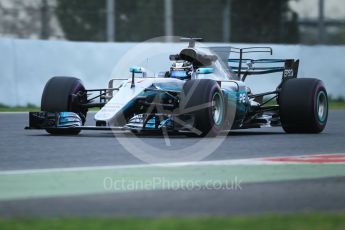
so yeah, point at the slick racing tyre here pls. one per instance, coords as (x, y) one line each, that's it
(57, 97)
(303, 105)
(204, 100)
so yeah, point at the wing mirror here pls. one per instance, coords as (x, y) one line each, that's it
(205, 70)
(134, 70)
(137, 69)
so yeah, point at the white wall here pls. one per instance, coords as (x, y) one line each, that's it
(26, 65)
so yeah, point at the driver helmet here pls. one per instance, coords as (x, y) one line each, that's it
(181, 69)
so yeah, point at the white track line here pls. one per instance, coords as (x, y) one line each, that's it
(250, 161)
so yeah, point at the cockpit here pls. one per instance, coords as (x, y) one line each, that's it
(181, 69)
(193, 63)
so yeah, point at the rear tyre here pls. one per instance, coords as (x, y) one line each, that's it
(303, 106)
(204, 100)
(57, 97)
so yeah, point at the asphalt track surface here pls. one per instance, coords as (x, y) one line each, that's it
(33, 149)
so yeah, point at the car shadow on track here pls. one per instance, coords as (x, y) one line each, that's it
(254, 133)
(127, 134)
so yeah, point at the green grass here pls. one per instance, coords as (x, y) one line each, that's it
(282, 222)
(333, 104)
(27, 108)
(337, 105)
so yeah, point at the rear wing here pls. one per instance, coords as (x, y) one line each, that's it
(244, 67)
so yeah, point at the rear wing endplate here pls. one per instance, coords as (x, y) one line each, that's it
(244, 67)
(288, 67)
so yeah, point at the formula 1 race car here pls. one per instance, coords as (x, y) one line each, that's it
(202, 94)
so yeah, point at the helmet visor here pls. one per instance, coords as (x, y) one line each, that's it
(179, 74)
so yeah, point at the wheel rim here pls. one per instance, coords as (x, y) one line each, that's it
(217, 108)
(322, 106)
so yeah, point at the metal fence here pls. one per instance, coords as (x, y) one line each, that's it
(138, 20)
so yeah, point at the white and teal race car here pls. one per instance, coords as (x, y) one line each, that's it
(202, 94)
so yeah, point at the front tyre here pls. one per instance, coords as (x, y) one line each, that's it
(58, 95)
(303, 105)
(204, 100)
